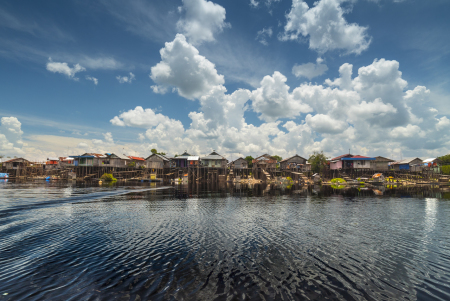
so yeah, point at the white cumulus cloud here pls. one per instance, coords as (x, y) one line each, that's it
(310, 70)
(325, 124)
(63, 68)
(325, 26)
(185, 69)
(202, 20)
(126, 79)
(273, 99)
(141, 118)
(263, 34)
(93, 79)
(11, 143)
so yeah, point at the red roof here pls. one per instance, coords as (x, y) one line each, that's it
(340, 157)
(350, 156)
(136, 158)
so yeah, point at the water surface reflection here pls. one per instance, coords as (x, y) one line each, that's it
(221, 241)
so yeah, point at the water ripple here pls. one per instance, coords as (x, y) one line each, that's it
(137, 243)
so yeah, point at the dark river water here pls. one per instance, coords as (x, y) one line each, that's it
(210, 242)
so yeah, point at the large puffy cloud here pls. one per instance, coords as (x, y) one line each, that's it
(443, 124)
(185, 69)
(325, 124)
(273, 99)
(326, 27)
(11, 136)
(140, 118)
(202, 19)
(371, 113)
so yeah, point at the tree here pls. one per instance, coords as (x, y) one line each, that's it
(318, 161)
(249, 160)
(445, 159)
(278, 158)
(154, 151)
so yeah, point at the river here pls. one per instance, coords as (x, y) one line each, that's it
(62, 241)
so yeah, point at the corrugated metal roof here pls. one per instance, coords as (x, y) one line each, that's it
(136, 158)
(193, 158)
(358, 158)
(213, 156)
(123, 157)
(159, 156)
(430, 160)
(182, 157)
(16, 159)
(163, 157)
(337, 158)
(238, 159)
(405, 161)
(383, 159)
(291, 158)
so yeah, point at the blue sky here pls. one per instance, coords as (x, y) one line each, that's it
(241, 77)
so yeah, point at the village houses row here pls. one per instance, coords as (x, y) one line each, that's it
(214, 160)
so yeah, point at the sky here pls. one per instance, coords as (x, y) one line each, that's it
(241, 77)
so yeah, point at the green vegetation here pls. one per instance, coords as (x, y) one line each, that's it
(108, 177)
(249, 160)
(154, 151)
(338, 181)
(278, 158)
(446, 169)
(132, 164)
(318, 161)
(334, 186)
(445, 159)
(289, 179)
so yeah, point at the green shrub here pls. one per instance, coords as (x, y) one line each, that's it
(289, 179)
(108, 177)
(446, 169)
(334, 186)
(338, 181)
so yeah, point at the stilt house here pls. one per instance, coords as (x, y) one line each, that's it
(16, 163)
(380, 163)
(265, 162)
(294, 163)
(239, 163)
(349, 161)
(214, 160)
(412, 164)
(182, 160)
(156, 161)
